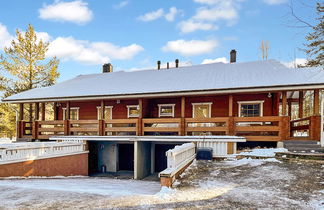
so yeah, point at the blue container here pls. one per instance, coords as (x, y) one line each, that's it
(204, 154)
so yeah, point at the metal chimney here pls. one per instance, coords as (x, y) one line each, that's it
(107, 68)
(233, 56)
(158, 65)
(167, 65)
(176, 63)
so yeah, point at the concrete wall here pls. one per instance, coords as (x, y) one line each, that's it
(108, 155)
(57, 166)
(142, 153)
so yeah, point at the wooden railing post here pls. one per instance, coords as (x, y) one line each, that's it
(35, 130)
(315, 128)
(101, 126)
(66, 128)
(231, 126)
(301, 104)
(140, 119)
(316, 103)
(182, 121)
(284, 128)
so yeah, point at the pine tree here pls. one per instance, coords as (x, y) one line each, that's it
(24, 66)
(315, 45)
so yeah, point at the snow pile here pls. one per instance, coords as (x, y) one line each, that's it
(251, 162)
(263, 152)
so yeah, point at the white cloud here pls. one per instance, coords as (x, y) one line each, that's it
(150, 16)
(295, 63)
(173, 11)
(74, 11)
(121, 4)
(189, 26)
(68, 48)
(226, 10)
(44, 36)
(191, 47)
(274, 2)
(216, 60)
(5, 37)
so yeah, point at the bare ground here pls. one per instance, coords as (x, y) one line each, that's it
(239, 184)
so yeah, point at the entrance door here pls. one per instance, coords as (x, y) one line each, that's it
(126, 157)
(201, 110)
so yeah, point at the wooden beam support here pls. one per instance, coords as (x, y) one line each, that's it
(36, 111)
(67, 114)
(21, 112)
(289, 108)
(56, 110)
(284, 103)
(183, 115)
(102, 117)
(316, 105)
(301, 104)
(230, 105)
(43, 111)
(140, 117)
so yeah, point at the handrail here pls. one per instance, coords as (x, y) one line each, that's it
(300, 119)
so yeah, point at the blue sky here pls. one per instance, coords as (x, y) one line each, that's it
(133, 34)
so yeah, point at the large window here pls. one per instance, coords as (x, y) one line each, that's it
(166, 110)
(133, 111)
(74, 113)
(250, 108)
(201, 110)
(108, 112)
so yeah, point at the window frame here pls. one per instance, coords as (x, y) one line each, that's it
(166, 115)
(200, 104)
(132, 106)
(260, 102)
(99, 114)
(75, 108)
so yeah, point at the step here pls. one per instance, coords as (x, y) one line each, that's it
(302, 146)
(300, 142)
(295, 155)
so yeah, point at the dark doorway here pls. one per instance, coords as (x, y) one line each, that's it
(126, 157)
(93, 158)
(160, 157)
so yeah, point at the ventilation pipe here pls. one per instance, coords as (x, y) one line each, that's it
(107, 68)
(167, 65)
(176, 63)
(158, 65)
(233, 56)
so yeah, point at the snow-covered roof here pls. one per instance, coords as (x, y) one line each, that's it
(195, 79)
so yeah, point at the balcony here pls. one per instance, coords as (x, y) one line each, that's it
(269, 128)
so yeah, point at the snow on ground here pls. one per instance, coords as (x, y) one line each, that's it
(230, 184)
(271, 152)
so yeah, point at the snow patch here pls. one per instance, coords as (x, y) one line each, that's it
(264, 152)
(251, 162)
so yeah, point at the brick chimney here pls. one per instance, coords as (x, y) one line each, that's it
(233, 56)
(107, 68)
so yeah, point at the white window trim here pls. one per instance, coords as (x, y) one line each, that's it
(166, 115)
(250, 102)
(197, 104)
(98, 113)
(132, 106)
(76, 108)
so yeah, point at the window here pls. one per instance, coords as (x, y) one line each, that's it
(133, 111)
(108, 112)
(201, 110)
(74, 113)
(166, 110)
(250, 108)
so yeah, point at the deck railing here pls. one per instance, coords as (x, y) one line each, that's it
(307, 127)
(268, 128)
(30, 151)
(180, 156)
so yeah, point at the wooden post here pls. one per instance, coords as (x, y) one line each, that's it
(67, 114)
(230, 105)
(284, 103)
(102, 119)
(19, 122)
(35, 130)
(289, 108)
(284, 128)
(140, 117)
(183, 113)
(30, 112)
(315, 128)
(316, 105)
(56, 110)
(301, 104)
(43, 111)
(36, 111)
